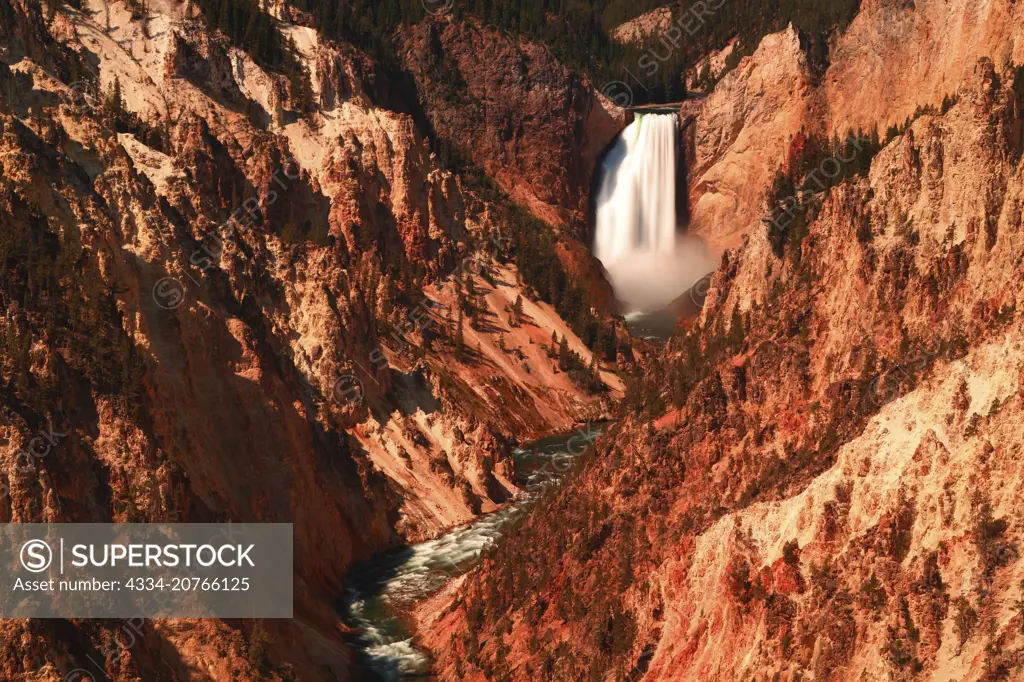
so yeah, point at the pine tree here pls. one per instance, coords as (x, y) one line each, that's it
(609, 345)
(517, 311)
(259, 641)
(564, 355)
(115, 102)
(459, 337)
(470, 293)
(594, 374)
(737, 334)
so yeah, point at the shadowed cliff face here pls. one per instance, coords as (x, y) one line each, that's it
(511, 108)
(823, 478)
(225, 300)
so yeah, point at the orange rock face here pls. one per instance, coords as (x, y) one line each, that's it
(891, 62)
(241, 296)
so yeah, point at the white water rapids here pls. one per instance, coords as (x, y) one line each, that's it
(381, 594)
(635, 237)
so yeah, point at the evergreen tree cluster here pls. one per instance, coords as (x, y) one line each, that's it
(249, 27)
(578, 32)
(586, 375)
(139, 8)
(61, 300)
(1018, 87)
(516, 318)
(538, 264)
(368, 24)
(814, 166)
(613, 552)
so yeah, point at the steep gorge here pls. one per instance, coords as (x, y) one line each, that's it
(263, 319)
(239, 293)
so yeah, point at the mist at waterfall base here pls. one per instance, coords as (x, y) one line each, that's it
(648, 265)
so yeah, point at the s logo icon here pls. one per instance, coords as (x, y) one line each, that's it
(36, 556)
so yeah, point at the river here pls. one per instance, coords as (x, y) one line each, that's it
(382, 592)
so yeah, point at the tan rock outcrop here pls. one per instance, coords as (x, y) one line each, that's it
(644, 26)
(741, 137)
(892, 61)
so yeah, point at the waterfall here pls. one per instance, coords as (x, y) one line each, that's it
(636, 203)
(635, 235)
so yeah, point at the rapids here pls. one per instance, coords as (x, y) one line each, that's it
(382, 592)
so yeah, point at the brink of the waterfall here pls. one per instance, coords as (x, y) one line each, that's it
(635, 238)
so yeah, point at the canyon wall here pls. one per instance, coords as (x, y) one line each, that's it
(536, 127)
(740, 136)
(229, 298)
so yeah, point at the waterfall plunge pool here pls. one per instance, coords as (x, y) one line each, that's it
(638, 218)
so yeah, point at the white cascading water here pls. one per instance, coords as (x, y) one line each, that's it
(635, 237)
(636, 208)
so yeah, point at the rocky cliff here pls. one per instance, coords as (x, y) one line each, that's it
(894, 60)
(822, 480)
(237, 294)
(536, 127)
(740, 137)
(644, 26)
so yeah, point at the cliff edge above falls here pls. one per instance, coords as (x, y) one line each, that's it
(741, 135)
(534, 126)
